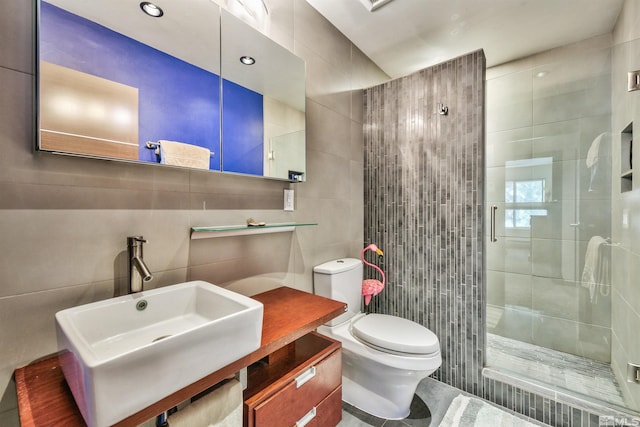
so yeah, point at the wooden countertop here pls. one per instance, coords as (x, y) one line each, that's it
(44, 398)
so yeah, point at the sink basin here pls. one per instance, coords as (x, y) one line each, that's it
(123, 354)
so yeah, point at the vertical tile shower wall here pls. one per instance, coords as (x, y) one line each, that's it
(424, 179)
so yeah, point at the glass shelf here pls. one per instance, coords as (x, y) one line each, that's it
(244, 230)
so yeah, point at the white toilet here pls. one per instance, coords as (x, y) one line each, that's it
(383, 357)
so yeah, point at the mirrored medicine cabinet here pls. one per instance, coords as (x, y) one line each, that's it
(195, 87)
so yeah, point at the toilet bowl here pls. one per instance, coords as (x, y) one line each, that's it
(383, 357)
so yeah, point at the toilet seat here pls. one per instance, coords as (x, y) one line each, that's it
(395, 334)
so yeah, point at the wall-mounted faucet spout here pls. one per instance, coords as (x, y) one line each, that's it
(138, 270)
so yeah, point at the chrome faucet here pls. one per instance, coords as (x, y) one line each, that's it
(138, 270)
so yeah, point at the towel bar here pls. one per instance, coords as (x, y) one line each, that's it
(609, 242)
(154, 145)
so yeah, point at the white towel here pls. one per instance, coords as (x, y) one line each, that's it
(181, 154)
(596, 268)
(592, 161)
(594, 151)
(220, 408)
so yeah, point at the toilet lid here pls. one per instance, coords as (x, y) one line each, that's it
(396, 334)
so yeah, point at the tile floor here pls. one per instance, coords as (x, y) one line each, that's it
(577, 374)
(435, 394)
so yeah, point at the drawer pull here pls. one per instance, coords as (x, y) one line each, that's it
(307, 418)
(305, 376)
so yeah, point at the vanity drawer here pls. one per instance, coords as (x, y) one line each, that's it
(327, 413)
(299, 395)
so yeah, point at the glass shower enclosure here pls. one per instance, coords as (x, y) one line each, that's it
(549, 209)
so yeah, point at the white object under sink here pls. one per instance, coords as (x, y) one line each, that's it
(122, 354)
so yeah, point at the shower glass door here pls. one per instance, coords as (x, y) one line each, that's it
(549, 179)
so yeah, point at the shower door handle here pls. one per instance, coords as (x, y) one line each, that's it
(492, 237)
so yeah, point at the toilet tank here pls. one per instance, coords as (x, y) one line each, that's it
(340, 280)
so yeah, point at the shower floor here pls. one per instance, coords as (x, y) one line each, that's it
(577, 374)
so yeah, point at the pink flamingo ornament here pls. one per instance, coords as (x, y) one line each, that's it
(371, 287)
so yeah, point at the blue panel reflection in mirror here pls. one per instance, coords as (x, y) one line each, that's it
(242, 129)
(177, 101)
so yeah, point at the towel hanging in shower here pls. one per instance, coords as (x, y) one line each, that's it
(596, 269)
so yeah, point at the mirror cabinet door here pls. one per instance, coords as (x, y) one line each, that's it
(116, 83)
(263, 98)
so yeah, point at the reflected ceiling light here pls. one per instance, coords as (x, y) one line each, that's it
(253, 12)
(541, 74)
(122, 116)
(255, 8)
(374, 5)
(247, 60)
(151, 9)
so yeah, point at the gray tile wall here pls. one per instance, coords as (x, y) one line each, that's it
(536, 406)
(424, 180)
(549, 406)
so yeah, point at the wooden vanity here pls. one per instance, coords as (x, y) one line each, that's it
(296, 373)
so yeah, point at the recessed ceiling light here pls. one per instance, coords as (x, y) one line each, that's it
(247, 60)
(541, 74)
(151, 9)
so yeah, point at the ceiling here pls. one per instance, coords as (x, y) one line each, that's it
(403, 36)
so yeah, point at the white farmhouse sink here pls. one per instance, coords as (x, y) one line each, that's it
(118, 358)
